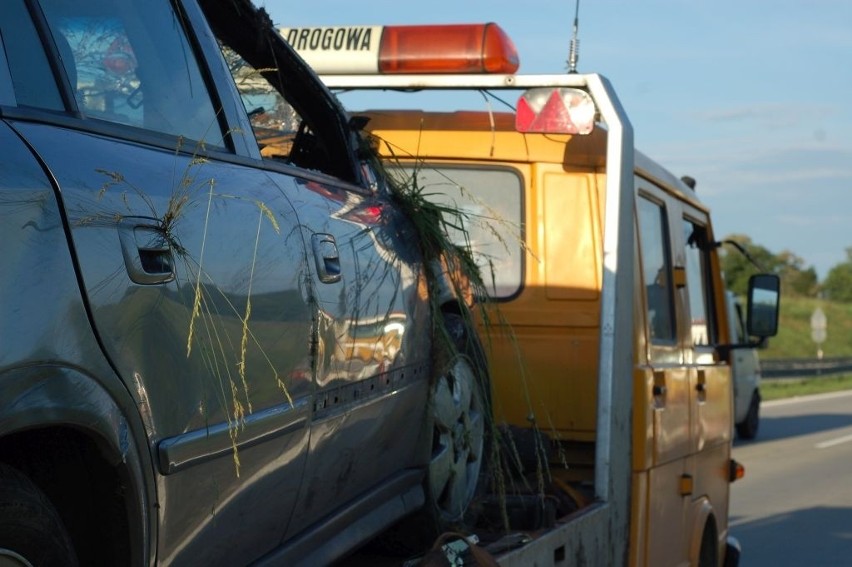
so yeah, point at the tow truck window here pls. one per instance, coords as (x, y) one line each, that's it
(133, 67)
(697, 285)
(656, 270)
(490, 203)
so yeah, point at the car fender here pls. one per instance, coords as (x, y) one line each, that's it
(47, 395)
(451, 285)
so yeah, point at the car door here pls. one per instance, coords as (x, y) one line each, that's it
(369, 298)
(189, 255)
(372, 367)
(745, 363)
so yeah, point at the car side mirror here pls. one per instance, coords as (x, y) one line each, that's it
(764, 294)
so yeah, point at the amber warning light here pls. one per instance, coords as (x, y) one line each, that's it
(434, 49)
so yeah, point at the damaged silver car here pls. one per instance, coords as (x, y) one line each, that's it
(208, 356)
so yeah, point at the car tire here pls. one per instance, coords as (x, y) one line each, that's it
(458, 424)
(31, 531)
(747, 428)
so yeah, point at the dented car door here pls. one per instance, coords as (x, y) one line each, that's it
(368, 295)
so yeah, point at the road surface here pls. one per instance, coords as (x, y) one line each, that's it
(794, 506)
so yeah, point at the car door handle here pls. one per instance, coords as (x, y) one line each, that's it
(146, 250)
(327, 257)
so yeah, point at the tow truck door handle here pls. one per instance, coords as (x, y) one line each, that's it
(701, 386)
(327, 257)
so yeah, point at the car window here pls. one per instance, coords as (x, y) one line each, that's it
(275, 122)
(32, 77)
(291, 121)
(739, 323)
(133, 65)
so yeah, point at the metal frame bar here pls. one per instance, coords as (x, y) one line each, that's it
(615, 366)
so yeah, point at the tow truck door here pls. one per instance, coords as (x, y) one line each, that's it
(667, 379)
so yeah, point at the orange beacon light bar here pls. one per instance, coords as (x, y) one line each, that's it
(433, 49)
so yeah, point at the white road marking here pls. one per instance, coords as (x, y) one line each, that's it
(833, 442)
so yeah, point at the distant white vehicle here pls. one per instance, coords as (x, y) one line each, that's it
(745, 368)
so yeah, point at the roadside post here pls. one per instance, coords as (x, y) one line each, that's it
(819, 330)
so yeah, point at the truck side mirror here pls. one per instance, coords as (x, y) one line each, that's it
(764, 294)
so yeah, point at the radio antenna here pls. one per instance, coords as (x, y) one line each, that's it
(574, 48)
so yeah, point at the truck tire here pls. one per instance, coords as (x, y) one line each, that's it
(31, 531)
(709, 553)
(747, 428)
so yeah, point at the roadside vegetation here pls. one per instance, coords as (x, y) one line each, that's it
(794, 330)
(788, 388)
(801, 294)
(794, 341)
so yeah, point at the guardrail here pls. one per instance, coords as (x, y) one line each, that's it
(804, 367)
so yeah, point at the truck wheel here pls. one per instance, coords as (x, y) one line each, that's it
(31, 531)
(709, 552)
(747, 428)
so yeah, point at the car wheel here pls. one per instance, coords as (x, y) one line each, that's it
(747, 428)
(31, 531)
(458, 438)
(457, 425)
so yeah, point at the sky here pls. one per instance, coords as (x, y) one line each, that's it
(752, 98)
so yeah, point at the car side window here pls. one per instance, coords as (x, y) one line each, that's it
(274, 120)
(739, 324)
(32, 77)
(133, 66)
(656, 270)
(283, 133)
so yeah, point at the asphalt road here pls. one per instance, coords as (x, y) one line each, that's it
(794, 506)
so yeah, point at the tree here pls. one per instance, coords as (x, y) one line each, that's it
(737, 266)
(795, 278)
(838, 283)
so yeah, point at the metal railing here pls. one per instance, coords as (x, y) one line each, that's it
(804, 367)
